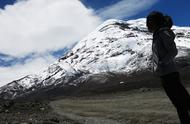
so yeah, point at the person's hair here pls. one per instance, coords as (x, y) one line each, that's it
(156, 17)
(159, 19)
(168, 22)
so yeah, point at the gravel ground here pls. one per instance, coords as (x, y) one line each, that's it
(31, 113)
(141, 106)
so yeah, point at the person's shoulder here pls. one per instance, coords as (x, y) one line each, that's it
(166, 32)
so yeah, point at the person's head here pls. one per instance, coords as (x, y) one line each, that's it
(154, 20)
(168, 21)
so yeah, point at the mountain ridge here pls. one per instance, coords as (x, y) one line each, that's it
(116, 46)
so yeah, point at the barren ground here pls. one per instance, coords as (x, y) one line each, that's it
(141, 106)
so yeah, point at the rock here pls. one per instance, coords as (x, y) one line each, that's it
(30, 119)
(42, 109)
(6, 111)
(15, 122)
(48, 122)
(24, 123)
(51, 121)
(145, 89)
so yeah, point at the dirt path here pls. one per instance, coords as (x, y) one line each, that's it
(86, 120)
(130, 107)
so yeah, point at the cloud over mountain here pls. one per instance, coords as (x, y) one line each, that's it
(41, 26)
(125, 8)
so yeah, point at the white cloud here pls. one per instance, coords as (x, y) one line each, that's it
(125, 8)
(40, 25)
(32, 66)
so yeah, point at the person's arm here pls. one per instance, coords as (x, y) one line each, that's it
(169, 44)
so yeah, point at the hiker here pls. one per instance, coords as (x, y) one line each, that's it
(163, 56)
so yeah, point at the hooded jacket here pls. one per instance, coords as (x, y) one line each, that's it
(164, 51)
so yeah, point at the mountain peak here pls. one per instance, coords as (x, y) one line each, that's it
(115, 46)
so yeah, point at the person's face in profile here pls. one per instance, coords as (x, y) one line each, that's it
(151, 25)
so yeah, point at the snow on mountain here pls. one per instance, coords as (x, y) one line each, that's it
(19, 86)
(115, 46)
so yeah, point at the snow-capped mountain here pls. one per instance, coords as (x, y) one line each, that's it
(115, 46)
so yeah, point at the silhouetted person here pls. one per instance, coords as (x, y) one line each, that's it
(163, 55)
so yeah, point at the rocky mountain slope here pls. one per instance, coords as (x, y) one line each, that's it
(122, 47)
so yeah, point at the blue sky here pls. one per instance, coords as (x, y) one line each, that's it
(3, 3)
(178, 9)
(35, 33)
